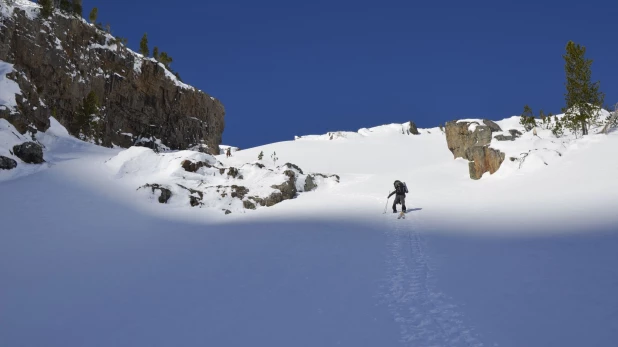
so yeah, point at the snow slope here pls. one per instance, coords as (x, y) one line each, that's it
(524, 257)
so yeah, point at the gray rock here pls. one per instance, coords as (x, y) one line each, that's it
(295, 167)
(239, 191)
(248, 204)
(412, 129)
(29, 152)
(191, 166)
(233, 172)
(309, 183)
(483, 159)
(143, 102)
(492, 125)
(504, 138)
(515, 133)
(7, 163)
(166, 194)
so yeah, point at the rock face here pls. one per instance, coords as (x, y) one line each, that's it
(59, 61)
(483, 159)
(492, 125)
(470, 140)
(7, 163)
(29, 152)
(459, 137)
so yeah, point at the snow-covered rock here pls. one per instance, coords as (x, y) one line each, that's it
(189, 178)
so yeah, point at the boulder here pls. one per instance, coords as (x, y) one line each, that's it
(7, 163)
(412, 129)
(459, 138)
(309, 183)
(29, 152)
(515, 133)
(504, 138)
(191, 166)
(483, 159)
(492, 125)
(166, 194)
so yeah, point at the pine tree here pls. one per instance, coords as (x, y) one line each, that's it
(77, 8)
(85, 115)
(66, 6)
(143, 46)
(47, 8)
(93, 15)
(165, 59)
(261, 155)
(583, 98)
(155, 53)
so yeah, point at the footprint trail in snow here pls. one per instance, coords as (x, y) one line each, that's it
(425, 316)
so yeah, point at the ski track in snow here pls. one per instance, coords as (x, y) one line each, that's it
(425, 316)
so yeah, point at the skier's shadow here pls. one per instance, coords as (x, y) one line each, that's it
(413, 209)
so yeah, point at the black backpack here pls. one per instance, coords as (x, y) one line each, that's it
(400, 188)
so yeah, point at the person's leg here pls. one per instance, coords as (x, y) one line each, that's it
(403, 203)
(395, 203)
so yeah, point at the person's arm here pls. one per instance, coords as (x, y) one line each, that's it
(391, 194)
(405, 186)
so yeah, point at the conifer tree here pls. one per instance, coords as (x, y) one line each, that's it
(66, 6)
(155, 53)
(165, 59)
(583, 98)
(93, 15)
(47, 8)
(77, 8)
(143, 46)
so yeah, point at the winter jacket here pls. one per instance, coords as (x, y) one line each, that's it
(401, 189)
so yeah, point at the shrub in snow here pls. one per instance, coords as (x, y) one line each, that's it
(558, 129)
(261, 155)
(527, 119)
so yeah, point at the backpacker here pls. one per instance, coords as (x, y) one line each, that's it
(400, 188)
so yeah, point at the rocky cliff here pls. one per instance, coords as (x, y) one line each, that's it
(60, 60)
(470, 140)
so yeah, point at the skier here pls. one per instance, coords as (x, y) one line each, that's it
(400, 198)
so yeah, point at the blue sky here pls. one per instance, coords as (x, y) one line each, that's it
(285, 68)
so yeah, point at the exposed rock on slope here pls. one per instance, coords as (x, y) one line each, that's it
(188, 178)
(59, 61)
(470, 140)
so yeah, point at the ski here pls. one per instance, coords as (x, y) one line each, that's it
(401, 215)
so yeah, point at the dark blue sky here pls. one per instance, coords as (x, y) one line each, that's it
(285, 68)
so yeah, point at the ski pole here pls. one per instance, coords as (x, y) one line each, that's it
(385, 206)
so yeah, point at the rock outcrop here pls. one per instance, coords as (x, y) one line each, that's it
(7, 163)
(29, 152)
(165, 195)
(412, 129)
(470, 140)
(462, 135)
(483, 159)
(59, 61)
(514, 134)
